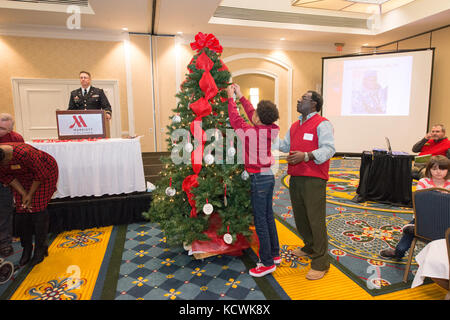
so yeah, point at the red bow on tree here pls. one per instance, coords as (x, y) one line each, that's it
(206, 40)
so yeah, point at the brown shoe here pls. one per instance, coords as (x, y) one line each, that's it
(315, 274)
(299, 252)
(388, 253)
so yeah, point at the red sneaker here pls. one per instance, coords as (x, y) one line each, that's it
(261, 270)
(277, 260)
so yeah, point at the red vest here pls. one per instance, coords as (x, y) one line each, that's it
(434, 148)
(298, 133)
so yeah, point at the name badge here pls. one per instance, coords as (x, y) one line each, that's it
(95, 96)
(15, 167)
(308, 136)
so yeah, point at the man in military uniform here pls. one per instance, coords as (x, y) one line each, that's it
(88, 97)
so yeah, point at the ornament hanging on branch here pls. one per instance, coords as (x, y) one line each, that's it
(169, 190)
(227, 237)
(231, 150)
(245, 175)
(188, 147)
(150, 187)
(208, 208)
(176, 118)
(209, 158)
(225, 201)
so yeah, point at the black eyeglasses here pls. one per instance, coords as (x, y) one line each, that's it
(306, 98)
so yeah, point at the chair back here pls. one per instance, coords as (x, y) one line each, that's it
(447, 241)
(432, 213)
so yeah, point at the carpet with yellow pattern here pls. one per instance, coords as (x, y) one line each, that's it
(97, 263)
(71, 270)
(357, 232)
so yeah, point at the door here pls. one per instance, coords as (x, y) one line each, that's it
(36, 102)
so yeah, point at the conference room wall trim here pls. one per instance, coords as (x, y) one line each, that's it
(276, 61)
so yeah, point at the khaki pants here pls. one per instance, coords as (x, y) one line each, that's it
(309, 207)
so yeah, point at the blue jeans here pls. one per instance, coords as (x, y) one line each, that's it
(404, 244)
(262, 192)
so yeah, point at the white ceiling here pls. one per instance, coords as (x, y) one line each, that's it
(259, 23)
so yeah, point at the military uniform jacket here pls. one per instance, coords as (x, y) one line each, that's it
(95, 99)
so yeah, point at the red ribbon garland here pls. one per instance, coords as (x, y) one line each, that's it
(201, 108)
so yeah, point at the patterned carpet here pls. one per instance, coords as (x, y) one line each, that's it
(134, 262)
(151, 270)
(357, 231)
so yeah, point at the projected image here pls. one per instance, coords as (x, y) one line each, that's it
(371, 97)
(377, 86)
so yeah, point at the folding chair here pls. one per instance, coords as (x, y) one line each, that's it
(432, 215)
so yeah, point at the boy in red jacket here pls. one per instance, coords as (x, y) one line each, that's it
(257, 141)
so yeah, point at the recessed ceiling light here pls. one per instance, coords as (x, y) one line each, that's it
(125, 29)
(365, 44)
(282, 39)
(180, 32)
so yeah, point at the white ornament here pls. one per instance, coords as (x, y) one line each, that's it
(176, 119)
(209, 159)
(187, 247)
(228, 238)
(208, 209)
(245, 175)
(170, 191)
(231, 152)
(150, 187)
(188, 147)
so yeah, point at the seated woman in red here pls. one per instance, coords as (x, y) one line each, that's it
(32, 174)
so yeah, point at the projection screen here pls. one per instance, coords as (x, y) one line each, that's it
(370, 97)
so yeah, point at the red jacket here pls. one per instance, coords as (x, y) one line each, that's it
(435, 149)
(257, 140)
(304, 138)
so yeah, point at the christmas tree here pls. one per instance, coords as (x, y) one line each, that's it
(203, 197)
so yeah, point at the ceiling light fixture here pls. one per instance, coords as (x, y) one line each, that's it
(282, 39)
(125, 29)
(379, 2)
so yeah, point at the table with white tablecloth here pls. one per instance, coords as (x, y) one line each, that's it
(96, 167)
(101, 183)
(433, 262)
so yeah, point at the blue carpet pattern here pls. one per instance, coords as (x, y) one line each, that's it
(151, 270)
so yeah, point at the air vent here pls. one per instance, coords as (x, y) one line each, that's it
(288, 17)
(47, 5)
(81, 3)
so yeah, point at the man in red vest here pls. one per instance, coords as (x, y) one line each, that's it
(310, 143)
(434, 143)
(6, 199)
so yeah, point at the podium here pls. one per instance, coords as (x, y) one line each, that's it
(82, 124)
